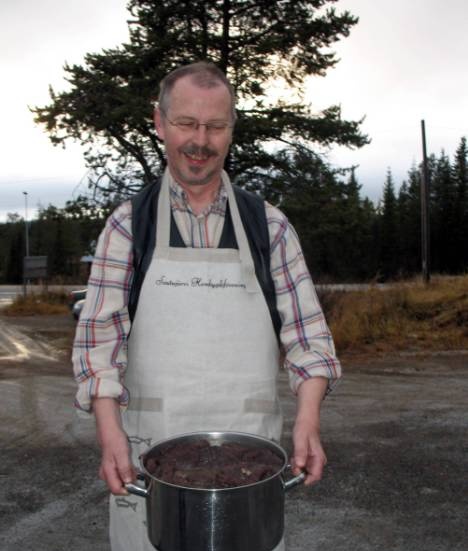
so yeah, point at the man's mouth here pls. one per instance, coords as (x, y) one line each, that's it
(198, 155)
(197, 158)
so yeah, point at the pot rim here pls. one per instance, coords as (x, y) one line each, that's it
(216, 435)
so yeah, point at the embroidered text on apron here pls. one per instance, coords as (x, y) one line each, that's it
(203, 356)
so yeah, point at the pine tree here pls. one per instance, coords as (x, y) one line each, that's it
(255, 42)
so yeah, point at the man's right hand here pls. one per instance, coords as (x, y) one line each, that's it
(116, 467)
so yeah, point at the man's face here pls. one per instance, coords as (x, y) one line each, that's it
(195, 156)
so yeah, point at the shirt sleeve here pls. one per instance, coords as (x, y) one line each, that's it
(100, 347)
(305, 336)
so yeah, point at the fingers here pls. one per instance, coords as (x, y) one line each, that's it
(116, 469)
(111, 477)
(314, 467)
(300, 456)
(308, 456)
(116, 477)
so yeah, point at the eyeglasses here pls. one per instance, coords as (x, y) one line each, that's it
(186, 124)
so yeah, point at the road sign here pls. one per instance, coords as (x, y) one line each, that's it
(34, 267)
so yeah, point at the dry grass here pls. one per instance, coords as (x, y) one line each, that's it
(38, 304)
(404, 316)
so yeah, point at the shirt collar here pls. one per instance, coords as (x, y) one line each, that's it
(178, 198)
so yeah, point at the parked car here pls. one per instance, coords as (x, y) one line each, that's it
(76, 302)
(77, 307)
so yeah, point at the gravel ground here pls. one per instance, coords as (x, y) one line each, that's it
(394, 432)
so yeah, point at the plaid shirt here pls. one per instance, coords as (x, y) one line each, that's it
(100, 346)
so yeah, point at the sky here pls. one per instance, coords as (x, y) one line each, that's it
(403, 62)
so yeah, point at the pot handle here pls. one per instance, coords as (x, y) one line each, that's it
(294, 481)
(137, 490)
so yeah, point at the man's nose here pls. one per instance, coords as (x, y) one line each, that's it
(200, 135)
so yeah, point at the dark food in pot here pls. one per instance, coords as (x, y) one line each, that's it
(198, 464)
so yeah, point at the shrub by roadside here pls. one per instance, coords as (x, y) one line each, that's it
(403, 316)
(38, 304)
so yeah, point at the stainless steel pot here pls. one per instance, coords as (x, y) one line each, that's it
(246, 518)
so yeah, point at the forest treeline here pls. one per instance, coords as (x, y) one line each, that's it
(345, 237)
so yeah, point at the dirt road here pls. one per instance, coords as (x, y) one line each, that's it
(395, 432)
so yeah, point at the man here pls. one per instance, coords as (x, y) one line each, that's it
(202, 351)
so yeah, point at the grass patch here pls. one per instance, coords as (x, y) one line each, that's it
(38, 304)
(403, 316)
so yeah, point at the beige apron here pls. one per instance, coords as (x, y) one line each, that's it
(203, 356)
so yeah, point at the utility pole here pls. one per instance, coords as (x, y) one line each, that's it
(425, 250)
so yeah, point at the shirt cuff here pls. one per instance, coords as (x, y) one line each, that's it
(99, 387)
(330, 370)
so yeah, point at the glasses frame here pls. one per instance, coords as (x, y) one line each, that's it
(210, 129)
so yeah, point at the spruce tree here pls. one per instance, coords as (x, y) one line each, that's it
(358, 259)
(389, 230)
(404, 223)
(460, 177)
(443, 217)
(411, 234)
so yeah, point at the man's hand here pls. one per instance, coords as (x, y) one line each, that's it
(308, 451)
(116, 467)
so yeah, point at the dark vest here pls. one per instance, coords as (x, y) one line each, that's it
(253, 216)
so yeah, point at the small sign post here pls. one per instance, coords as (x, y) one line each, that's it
(34, 267)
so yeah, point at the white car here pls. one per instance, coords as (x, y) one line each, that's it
(77, 307)
(76, 300)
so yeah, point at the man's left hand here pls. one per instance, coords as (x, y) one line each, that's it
(308, 452)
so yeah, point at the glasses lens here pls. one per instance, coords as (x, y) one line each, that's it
(186, 125)
(217, 126)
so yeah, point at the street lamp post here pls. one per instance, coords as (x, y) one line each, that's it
(26, 230)
(25, 193)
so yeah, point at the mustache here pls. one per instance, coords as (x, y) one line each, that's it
(203, 151)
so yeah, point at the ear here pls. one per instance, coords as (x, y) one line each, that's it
(158, 124)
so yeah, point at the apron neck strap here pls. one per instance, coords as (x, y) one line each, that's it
(163, 228)
(163, 220)
(247, 263)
